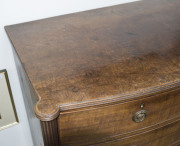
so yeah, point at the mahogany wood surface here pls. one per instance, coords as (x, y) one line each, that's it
(100, 124)
(168, 136)
(50, 133)
(99, 54)
(91, 71)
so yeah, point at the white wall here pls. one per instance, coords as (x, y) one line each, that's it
(17, 11)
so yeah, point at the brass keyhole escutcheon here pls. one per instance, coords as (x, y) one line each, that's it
(139, 116)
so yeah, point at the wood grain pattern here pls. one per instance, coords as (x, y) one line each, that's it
(50, 133)
(95, 55)
(166, 136)
(101, 124)
(91, 71)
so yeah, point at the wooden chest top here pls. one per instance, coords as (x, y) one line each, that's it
(100, 56)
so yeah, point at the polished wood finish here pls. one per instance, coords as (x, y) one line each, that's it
(91, 71)
(168, 136)
(50, 133)
(99, 124)
(98, 54)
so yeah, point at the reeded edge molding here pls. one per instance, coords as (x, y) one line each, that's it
(50, 133)
(123, 97)
(108, 100)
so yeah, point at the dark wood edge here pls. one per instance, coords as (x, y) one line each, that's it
(107, 101)
(50, 133)
(48, 117)
(114, 103)
(124, 97)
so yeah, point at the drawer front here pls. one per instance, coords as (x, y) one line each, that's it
(165, 136)
(100, 124)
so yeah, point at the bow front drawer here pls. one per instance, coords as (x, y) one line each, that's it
(99, 124)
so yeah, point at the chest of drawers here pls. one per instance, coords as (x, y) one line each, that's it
(108, 76)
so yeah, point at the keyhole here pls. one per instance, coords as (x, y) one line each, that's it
(142, 105)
